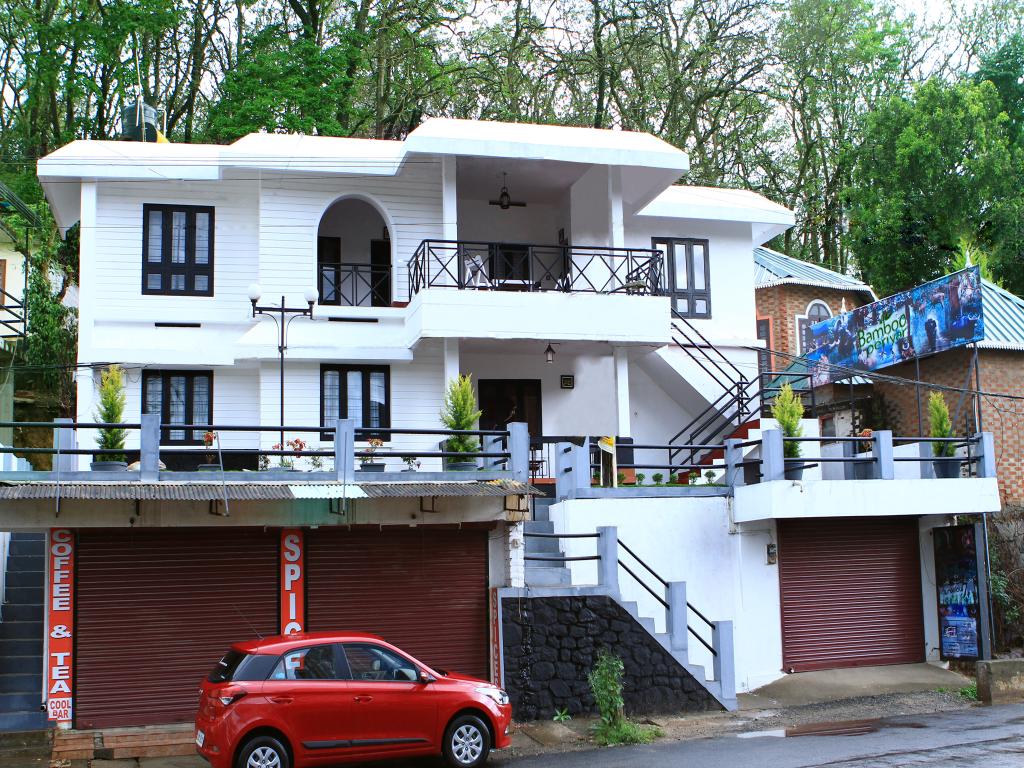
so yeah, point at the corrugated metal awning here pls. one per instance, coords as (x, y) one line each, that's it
(169, 491)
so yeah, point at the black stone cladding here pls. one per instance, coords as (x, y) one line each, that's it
(551, 643)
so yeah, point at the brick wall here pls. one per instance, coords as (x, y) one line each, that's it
(783, 303)
(1001, 371)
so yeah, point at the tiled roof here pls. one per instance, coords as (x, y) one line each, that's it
(774, 268)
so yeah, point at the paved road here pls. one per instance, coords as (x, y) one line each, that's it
(983, 737)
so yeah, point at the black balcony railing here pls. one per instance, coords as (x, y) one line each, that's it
(355, 285)
(525, 267)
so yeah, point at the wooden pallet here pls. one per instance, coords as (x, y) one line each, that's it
(123, 743)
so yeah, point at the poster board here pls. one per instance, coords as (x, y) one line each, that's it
(960, 584)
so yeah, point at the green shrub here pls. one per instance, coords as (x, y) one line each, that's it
(787, 410)
(562, 716)
(658, 478)
(111, 411)
(940, 424)
(626, 732)
(970, 692)
(460, 412)
(640, 477)
(606, 684)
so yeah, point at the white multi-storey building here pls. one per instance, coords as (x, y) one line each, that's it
(585, 293)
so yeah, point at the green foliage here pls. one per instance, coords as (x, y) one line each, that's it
(620, 478)
(658, 478)
(111, 411)
(969, 692)
(606, 685)
(788, 410)
(640, 477)
(940, 424)
(626, 732)
(460, 412)
(562, 716)
(929, 170)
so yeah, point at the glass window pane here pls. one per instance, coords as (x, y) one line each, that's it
(176, 405)
(154, 281)
(679, 261)
(315, 663)
(179, 230)
(682, 306)
(371, 662)
(202, 238)
(177, 282)
(200, 404)
(154, 386)
(332, 397)
(700, 307)
(354, 390)
(202, 283)
(378, 399)
(699, 278)
(154, 246)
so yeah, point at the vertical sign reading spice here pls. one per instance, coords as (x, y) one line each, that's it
(293, 582)
(60, 605)
(495, 608)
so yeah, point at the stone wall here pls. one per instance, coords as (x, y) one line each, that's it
(551, 643)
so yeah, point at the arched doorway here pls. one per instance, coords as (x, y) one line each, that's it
(353, 256)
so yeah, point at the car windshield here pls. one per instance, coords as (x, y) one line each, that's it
(226, 667)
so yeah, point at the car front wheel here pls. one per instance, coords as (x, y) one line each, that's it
(263, 752)
(467, 742)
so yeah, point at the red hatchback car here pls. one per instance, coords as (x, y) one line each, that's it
(321, 698)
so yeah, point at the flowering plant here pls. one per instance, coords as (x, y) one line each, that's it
(209, 438)
(371, 448)
(866, 435)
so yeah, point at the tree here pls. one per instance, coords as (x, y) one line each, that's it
(928, 171)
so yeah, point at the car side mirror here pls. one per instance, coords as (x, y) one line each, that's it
(426, 677)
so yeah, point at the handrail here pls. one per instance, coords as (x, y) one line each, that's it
(703, 338)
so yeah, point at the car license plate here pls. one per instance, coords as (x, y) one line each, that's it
(200, 738)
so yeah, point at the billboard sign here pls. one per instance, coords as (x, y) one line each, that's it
(963, 620)
(933, 317)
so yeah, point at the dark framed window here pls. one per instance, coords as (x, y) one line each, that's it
(358, 392)
(179, 397)
(817, 311)
(367, 661)
(177, 250)
(687, 274)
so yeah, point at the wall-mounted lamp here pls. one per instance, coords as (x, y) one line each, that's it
(772, 554)
(549, 354)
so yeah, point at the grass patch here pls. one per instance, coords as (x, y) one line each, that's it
(969, 692)
(625, 732)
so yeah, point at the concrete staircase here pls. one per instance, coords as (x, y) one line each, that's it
(21, 635)
(550, 578)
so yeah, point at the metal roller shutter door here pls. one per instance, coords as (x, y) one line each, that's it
(423, 590)
(156, 609)
(851, 592)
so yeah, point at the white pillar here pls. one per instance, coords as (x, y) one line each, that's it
(622, 425)
(449, 200)
(451, 360)
(616, 226)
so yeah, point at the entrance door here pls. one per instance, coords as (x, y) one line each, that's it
(851, 592)
(507, 400)
(380, 273)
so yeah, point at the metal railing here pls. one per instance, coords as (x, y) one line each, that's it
(355, 285)
(498, 453)
(13, 315)
(527, 267)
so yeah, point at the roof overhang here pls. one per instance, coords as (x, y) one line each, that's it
(766, 218)
(864, 290)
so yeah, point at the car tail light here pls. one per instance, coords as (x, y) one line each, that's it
(228, 696)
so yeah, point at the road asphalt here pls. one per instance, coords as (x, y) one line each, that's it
(992, 737)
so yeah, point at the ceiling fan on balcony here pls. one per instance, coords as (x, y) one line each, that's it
(505, 200)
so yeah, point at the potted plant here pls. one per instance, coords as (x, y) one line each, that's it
(658, 478)
(945, 463)
(460, 413)
(211, 465)
(640, 477)
(366, 462)
(411, 463)
(862, 470)
(111, 411)
(787, 410)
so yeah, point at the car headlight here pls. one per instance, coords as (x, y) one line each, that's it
(499, 696)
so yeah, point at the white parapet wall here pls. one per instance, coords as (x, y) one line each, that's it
(726, 572)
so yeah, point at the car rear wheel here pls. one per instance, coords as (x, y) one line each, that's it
(263, 752)
(467, 742)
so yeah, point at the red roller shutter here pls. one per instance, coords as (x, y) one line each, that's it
(425, 590)
(851, 592)
(156, 609)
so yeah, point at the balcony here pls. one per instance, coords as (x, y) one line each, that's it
(354, 285)
(527, 267)
(525, 291)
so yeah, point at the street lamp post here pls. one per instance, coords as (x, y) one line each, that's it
(282, 316)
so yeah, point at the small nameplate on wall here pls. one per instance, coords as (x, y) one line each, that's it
(568, 381)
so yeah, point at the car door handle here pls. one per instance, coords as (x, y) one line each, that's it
(280, 699)
(362, 698)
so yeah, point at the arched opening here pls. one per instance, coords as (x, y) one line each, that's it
(353, 256)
